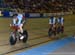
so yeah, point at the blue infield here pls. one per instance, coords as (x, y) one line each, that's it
(48, 47)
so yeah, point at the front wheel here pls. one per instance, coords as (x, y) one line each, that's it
(13, 39)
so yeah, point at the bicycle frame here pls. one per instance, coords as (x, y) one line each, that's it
(14, 29)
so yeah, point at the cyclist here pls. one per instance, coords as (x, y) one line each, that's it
(18, 20)
(60, 22)
(52, 24)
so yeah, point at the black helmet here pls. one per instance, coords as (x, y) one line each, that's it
(15, 15)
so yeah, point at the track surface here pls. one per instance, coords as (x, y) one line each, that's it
(37, 29)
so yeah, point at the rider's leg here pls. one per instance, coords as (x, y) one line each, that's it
(54, 30)
(59, 28)
(62, 28)
(21, 31)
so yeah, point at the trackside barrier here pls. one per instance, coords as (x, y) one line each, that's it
(6, 14)
(34, 15)
(56, 14)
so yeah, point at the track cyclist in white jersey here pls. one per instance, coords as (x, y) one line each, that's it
(60, 21)
(18, 20)
(52, 24)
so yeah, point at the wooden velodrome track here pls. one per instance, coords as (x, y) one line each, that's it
(37, 30)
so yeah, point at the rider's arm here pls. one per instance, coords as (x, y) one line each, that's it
(24, 20)
(14, 21)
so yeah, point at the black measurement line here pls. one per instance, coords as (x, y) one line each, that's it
(24, 47)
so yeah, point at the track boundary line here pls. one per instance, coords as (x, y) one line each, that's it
(24, 47)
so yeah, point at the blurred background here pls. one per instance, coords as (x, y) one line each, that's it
(39, 5)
